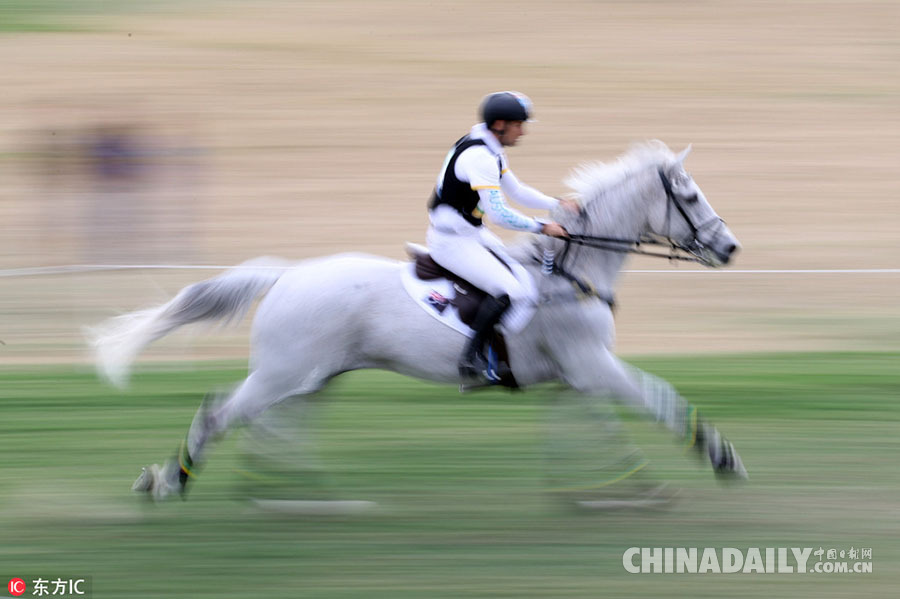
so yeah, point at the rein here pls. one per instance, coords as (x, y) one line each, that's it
(632, 246)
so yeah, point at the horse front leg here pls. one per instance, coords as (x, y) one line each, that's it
(593, 463)
(592, 369)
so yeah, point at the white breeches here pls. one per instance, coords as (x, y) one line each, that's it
(468, 256)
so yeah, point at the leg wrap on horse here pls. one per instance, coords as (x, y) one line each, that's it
(190, 453)
(185, 465)
(667, 406)
(684, 420)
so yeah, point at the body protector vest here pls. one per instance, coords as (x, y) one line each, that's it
(459, 194)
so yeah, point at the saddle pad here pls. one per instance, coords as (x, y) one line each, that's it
(434, 297)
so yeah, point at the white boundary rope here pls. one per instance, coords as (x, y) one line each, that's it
(85, 268)
(763, 271)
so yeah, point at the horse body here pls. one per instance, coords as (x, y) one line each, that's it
(330, 315)
(348, 312)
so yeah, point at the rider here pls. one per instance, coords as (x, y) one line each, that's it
(472, 182)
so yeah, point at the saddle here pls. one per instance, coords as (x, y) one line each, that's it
(466, 299)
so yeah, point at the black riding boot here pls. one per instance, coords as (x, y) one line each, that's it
(473, 364)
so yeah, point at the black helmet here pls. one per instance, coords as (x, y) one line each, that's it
(505, 106)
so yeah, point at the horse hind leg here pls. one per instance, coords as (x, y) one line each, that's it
(216, 415)
(278, 455)
(160, 482)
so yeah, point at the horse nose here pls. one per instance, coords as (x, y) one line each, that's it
(727, 252)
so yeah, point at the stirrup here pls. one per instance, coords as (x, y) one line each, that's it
(474, 370)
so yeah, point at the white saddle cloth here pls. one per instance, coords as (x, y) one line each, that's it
(434, 297)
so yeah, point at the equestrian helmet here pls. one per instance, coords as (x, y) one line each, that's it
(505, 106)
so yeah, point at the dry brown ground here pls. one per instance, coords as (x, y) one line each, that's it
(324, 123)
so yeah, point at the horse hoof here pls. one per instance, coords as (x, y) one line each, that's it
(730, 467)
(738, 470)
(153, 483)
(144, 482)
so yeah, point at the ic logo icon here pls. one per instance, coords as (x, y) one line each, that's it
(16, 587)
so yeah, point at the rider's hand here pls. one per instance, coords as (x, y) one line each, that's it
(569, 205)
(555, 230)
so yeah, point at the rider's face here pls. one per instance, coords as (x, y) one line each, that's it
(512, 131)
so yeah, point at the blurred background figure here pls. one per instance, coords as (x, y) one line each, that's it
(57, 172)
(143, 199)
(114, 192)
(119, 222)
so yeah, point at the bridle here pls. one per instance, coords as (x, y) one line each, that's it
(691, 250)
(694, 245)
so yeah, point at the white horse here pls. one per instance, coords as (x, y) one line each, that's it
(326, 316)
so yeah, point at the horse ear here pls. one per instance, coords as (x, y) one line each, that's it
(684, 154)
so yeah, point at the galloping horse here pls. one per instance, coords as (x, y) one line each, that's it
(326, 316)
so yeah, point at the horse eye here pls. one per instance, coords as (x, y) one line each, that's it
(691, 199)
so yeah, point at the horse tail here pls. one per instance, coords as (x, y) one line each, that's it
(227, 298)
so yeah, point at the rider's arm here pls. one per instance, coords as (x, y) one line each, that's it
(479, 167)
(491, 202)
(524, 194)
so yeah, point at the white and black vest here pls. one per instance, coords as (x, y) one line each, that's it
(459, 194)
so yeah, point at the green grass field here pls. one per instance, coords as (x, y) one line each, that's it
(460, 481)
(53, 16)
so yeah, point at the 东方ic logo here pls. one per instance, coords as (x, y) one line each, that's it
(16, 587)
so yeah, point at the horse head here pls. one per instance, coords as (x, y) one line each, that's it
(647, 195)
(680, 213)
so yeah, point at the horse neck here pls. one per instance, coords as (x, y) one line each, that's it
(620, 213)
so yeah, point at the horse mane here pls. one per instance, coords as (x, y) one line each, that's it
(593, 179)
